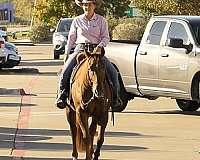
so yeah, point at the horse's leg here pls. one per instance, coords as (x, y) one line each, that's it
(72, 119)
(82, 119)
(93, 128)
(103, 123)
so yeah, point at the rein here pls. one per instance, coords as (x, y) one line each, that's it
(94, 95)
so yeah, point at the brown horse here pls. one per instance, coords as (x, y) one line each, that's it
(90, 97)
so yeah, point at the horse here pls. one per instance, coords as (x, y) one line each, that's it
(91, 96)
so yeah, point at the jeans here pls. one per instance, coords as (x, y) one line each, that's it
(64, 83)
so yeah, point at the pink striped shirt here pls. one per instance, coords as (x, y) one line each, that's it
(93, 31)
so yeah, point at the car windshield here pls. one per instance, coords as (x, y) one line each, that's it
(64, 25)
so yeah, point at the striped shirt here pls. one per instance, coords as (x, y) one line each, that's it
(94, 31)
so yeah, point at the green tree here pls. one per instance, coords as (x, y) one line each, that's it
(115, 8)
(23, 9)
(50, 11)
(168, 7)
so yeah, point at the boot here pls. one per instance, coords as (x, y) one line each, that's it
(61, 101)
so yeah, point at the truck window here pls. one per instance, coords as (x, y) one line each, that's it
(196, 29)
(177, 30)
(155, 33)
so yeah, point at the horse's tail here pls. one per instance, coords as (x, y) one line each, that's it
(81, 134)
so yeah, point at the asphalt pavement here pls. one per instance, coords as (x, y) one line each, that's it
(32, 128)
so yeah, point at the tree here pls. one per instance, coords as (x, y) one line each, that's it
(23, 9)
(168, 7)
(115, 8)
(50, 11)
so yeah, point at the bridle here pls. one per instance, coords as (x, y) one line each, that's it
(94, 92)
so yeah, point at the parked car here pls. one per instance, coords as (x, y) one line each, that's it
(9, 56)
(3, 33)
(60, 36)
(2, 52)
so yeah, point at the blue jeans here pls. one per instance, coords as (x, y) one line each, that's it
(64, 83)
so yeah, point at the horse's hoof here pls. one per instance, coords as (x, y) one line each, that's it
(73, 158)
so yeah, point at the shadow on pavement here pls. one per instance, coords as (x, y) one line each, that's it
(8, 138)
(35, 158)
(42, 63)
(30, 139)
(39, 59)
(16, 105)
(42, 146)
(19, 71)
(51, 132)
(194, 113)
(26, 71)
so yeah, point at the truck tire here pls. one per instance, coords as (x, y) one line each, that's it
(187, 105)
(56, 55)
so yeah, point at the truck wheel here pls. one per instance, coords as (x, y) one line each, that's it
(56, 55)
(187, 105)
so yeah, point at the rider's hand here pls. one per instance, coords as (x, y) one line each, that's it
(66, 57)
(97, 50)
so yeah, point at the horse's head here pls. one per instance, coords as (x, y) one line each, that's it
(96, 72)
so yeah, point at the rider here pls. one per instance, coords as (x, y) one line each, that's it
(87, 28)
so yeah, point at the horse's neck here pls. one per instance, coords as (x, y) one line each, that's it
(82, 74)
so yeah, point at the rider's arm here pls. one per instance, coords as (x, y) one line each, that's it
(71, 38)
(105, 38)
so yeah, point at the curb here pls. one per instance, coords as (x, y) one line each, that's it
(13, 91)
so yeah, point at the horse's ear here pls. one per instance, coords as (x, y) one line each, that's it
(81, 56)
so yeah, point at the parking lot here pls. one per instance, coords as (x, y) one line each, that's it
(32, 128)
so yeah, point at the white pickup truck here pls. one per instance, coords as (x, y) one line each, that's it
(166, 63)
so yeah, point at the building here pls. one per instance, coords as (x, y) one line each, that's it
(6, 13)
(133, 12)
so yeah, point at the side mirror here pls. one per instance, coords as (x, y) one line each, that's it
(178, 43)
(175, 43)
(52, 30)
(189, 48)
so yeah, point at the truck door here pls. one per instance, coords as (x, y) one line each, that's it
(148, 57)
(173, 62)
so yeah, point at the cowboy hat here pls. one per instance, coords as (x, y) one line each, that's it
(97, 2)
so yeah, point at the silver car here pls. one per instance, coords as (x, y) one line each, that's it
(60, 36)
(9, 56)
